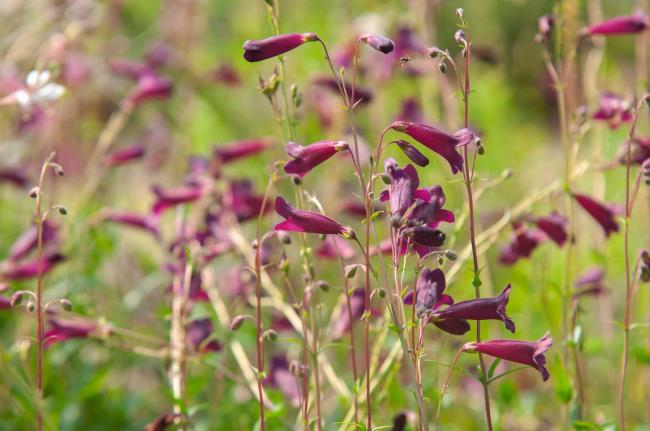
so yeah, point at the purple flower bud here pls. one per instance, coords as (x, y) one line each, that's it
(29, 269)
(436, 140)
(402, 188)
(426, 236)
(307, 158)
(67, 329)
(150, 86)
(258, 50)
(147, 222)
(198, 333)
(519, 351)
(377, 42)
(554, 226)
(240, 149)
(621, 25)
(604, 214)
(162, 422)
(453, 326)
(281, 378)
(430, 209)
(614, 110)
(308, 221)
(481, 309)
(124, 155)
(413, 153)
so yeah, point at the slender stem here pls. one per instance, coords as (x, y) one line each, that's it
(443, 390)
(258, 319)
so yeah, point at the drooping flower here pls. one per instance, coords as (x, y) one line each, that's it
(199, 336)
(170, 197)
(262, 49)
(620, 25)
(603, 213)
(613, 110)
(67, 329)
(146, 222)
(343, 322)
(24, 270)
(429, 207)
(411, 111)
(239, 149)
(438, 141)
(280, 377)
(308, 221)
(640, 151)
(590, 282)
(307, 158)
(124, 155)
(28, 240)
(554, 226)
(403, 183)
(333, 246)
(362, 95)
(521, 245)
(150, 86)
(481, 309)
(519, 351)
(244, 202)
(377, 42)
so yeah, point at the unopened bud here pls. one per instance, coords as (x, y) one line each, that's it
(66, 304)
(270, 334)
(459, 12)
(480, 150)
(61, 209)
(33, 193)
(459, 37)
(381, 292)
(31, 306)
(296, 180)
(284, 237)
(323, 285)
(395, 220)
(451, 255)
(16, 299)
(58, 169)
(443, 67)
(237, 322)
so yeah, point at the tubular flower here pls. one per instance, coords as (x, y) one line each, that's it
(147, 222)
(554, 226)
(150, 86)
(308, 221)
(28, 240)
(66, 329)
(590, 282)
(603, 213)
(620, 25)
(362, 95)
(262, 49)
(426, 236)
(481, 309)
(335, 246)
(167, 198)
(521, 244)
(244, 202)
(522, 352)
(403, 183)
(377, 42)
(29, 269)
(124, 155)
(438, 141)
(307, 158)
(343, 322)
(239, 149)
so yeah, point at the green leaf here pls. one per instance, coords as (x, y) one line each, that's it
(493, 368)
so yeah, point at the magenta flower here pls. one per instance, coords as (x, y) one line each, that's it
(262, 49)
(150, 86)
(481, 309)
(640, 151)
(377, 42)
(354, 207)
(403, 184)
(343, 324)
(554, 226)
(545, 25)
(590, 282)
(307, 158)
(226, 74)
(148, 223)
(411, 111)
(614, 110)
(308, 221)
(621, 25)
(67, 329)
(199, 336)
(362, 95)
(436, 140)
(521, 352)
(521, 245)
(28, 240)
(124, 155)
(333, 246)
(29, 269)
(429, 207)
(244, 202)
(603, 213)
(240, 149)
(280, 377)
(5, 303)
(170, 197)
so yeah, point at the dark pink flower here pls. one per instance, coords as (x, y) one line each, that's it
(239, 149)
(545, 25)
(614, 110)
(308, 221)
(258, 50)
(130, 69)
(521, 352)
(281, 378)
(640, 151)
(429, 207)
(150, 86)
(162, 422)
(27, 242)
(307, 158)
(244, 202)
(590, 282)
(124, 155)
(554, 226)
(403, 183)
(436, 140)
(29, 269)
(605, 214)
(226, 74)
(199, 336)
(621, 25)
(354, 207)
(411, 111)
(67, 329)
(377, 42)
(521, 245)
(481, 309)
(170, 197)
(333, 246)
(362, 95)
(5, 303)
(146, 222)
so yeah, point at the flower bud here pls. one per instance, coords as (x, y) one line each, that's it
(459, 37)
(296, 180)
(323, 285)
(284, 237)
(381, 292)
(443, 67)
(61, 209)
(237, 322)
(395, 220)
(58, 169)
(33, 193)
(377, 42)
(459, 12)
(270, 334)
(66, 304)
(31, 306)
(451, 255)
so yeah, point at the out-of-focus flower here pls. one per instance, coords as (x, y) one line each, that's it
(343, 323)
(613, 110)
(199, 336)
(28, 240)
(226, 74)
(403, 183)
(308, 221)
(333, 246)
(14, 175)
(67, 329)
(377, 42)
(280, 377)
(38, 90)
(162, 422)
(620, 25)
(545, 24)
(411, 111)
(244, 202)
(150, 86)
(12, 270)
(429, 208)
(603, 213)
(170, 197)
(640, 151)
(554, 226)
(362, 95)
(522, 352)
(590, 282)
(5, 303)
(481, 309)
(307, 158)
(430, 286)
(262, 49)
(239, 149)
(354, 207)
(521, 245)
(438, 141)
(124, 155)
(146, 222)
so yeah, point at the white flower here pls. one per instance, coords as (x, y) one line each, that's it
(38, 90)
